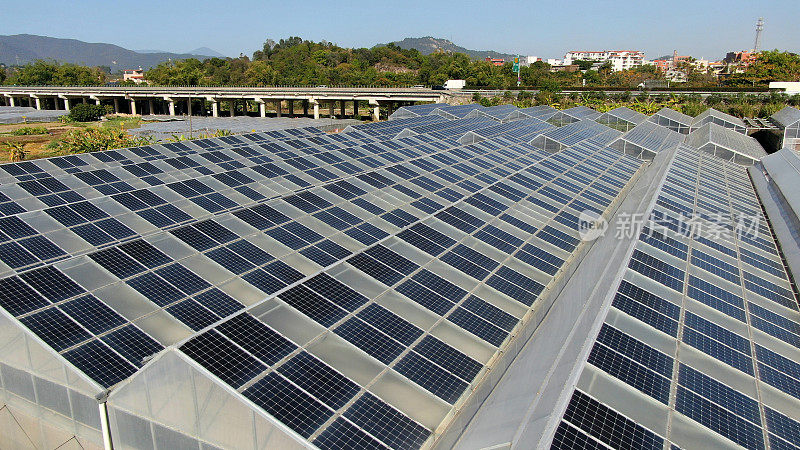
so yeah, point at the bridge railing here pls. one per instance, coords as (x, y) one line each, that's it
(213, 86)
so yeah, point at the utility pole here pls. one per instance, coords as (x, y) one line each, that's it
(759, 29)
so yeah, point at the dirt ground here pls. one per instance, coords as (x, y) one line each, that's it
(36, 144)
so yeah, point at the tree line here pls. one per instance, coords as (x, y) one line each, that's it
(295, 61)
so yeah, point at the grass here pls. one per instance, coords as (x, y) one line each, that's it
(42, 140)
(28, 131)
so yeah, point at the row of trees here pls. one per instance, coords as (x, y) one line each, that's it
(295, 61)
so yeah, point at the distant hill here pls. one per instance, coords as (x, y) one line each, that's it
(207, 52)
(25, 48)
(427, 45)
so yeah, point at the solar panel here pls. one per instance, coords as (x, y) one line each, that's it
(355, 286)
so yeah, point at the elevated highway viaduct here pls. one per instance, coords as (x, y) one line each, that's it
(195, 100)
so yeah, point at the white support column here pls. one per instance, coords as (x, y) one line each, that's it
(214, 108)
(376, 110)
(133, 106)
(189, 106)
(83, 100)
(316, 109)
(116, 105)
(150, 106)
(279, 107)
(262, 107)
(232, 105)
(11, 101)
(171, 107)
(66, 103)
(96, 100)
(38, 102)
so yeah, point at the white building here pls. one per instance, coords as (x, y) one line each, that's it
(135, 75)
(528, 60)
(619, 59)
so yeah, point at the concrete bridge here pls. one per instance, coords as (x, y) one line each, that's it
(195, 100)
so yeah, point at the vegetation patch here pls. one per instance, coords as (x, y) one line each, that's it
(95, 139)
(29, 131)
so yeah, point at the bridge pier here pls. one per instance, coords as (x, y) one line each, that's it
(315, 106)
(376, 110)
(150, 106)
(214, 107)
(66, 104)
(232, 106)
(330, 108)
(278, 107)
(116, 105)
(38, 101)
(171, 104)
(133, 106)
(305, 108)
(189, 106)
(291, 108)
(341, 108)
(11, 101)
(355, 110)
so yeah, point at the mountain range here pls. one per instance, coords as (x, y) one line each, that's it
(427, 45)
(25, 48)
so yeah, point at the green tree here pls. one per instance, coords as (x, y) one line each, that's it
(583, 64)
(52, 73)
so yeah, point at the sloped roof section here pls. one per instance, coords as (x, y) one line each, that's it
(646, 140)
(787, 117)
(726, 143)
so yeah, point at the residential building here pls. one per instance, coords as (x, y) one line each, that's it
(619, 59)
(135, 75)
(528, 60)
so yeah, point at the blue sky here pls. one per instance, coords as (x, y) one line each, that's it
(702, 28)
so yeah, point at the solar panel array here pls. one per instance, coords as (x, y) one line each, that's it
(720, 118)
(358, 287)
(621, 118)
(646, 140)
(704, 322)
(673, 120)
(726, 143)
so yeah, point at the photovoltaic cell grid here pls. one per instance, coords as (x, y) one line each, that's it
(129, 211)
(726, 296)
(432, 364)
(422, 176)
(399, 214)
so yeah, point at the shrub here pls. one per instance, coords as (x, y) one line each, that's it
(87, 113)
(27, 131)
(95, 139)
(16, 151)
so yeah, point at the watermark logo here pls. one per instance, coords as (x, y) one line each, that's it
(712, 227)
(591, 225)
